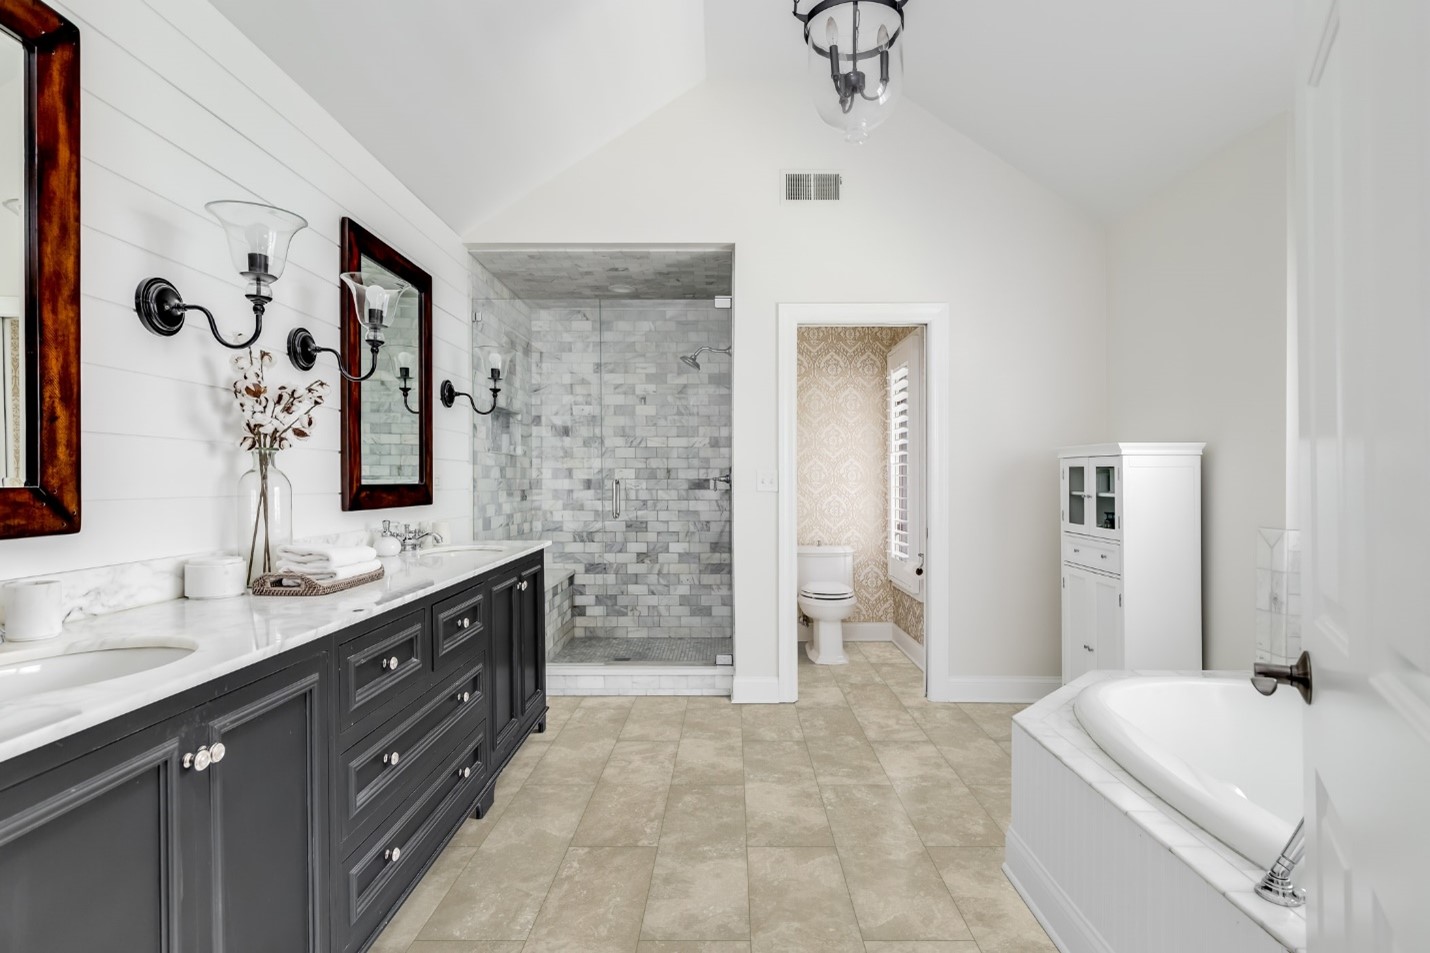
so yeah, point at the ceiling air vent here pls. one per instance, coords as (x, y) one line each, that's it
(813, 186)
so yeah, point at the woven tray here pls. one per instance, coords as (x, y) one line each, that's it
(299, 584)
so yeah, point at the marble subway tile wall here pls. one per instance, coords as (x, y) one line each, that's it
(503, 499)
(1278, 595)
(391, 432)
(615, 403)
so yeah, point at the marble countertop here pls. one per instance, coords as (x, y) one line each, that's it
(224, 635)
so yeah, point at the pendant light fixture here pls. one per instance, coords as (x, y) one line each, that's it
(856, 63)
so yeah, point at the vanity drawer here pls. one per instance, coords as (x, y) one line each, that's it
(375, 875)
(379, 667)
(1093, 554)
(383, 768)
(459, 628)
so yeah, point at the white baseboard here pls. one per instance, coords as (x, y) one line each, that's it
(1064, 923)
(907, 645)
(993, 688)
(755, 690)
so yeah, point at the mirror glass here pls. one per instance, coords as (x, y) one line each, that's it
(391, 419)
(12, 262)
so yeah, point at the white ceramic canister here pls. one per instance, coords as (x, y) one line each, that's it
(215, 577)
(34, 609)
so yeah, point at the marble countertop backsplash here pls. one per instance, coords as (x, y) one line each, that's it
(225, 635)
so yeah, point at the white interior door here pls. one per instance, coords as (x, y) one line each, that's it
(1363, 249)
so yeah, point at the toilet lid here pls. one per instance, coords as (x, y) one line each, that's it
(826, 590)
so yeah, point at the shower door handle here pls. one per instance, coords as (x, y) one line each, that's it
(616, 500)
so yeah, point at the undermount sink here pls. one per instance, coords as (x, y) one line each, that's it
(55, 672)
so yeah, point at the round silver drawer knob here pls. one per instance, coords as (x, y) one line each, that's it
(198, 760)
(392, 758)
(464, 697)
(390, 664)
(217, 752)
(466, 772)
(392, 854)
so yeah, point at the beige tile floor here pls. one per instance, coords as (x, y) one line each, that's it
(861, 819)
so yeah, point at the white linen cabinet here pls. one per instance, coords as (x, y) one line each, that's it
(1131, 556)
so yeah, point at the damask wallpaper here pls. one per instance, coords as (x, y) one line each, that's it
(843, 476)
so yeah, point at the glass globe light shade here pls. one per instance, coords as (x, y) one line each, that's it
(258, 238)
(858, 88)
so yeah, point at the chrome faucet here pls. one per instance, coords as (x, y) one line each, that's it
(410, 537)
(1276, 886)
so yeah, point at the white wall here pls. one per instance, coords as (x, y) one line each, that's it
(178, 109)
(939, 219)
(1197, 351)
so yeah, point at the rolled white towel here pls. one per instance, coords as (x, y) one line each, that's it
(320, 556)
(326, 574)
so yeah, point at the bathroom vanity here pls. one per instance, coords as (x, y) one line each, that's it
(283, 786)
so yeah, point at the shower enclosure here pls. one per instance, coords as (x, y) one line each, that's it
(631, 464)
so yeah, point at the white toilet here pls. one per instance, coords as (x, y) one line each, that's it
(826, 596)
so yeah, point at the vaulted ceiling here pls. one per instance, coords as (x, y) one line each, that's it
(475, 103)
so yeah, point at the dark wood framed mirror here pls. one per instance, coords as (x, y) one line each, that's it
(387, 419)
(39, 271)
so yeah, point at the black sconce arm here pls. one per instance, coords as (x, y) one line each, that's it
(303, 351)
(161, 309)
(449, 395)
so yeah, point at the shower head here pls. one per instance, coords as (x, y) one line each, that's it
(693, 360)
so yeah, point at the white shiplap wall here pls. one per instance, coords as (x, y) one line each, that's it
(178, 109)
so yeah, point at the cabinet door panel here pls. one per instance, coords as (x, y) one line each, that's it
(89, 852)
(532, 640)
(264, 804)
(504, 659)
(1107, 627)
(1079, 623)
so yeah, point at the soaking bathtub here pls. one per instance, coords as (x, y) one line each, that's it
(1224, 755)
(1147, 807)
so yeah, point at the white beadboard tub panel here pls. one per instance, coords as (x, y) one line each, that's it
(1099, 881)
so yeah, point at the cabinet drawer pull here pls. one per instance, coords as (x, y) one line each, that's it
(464, 697)
(465, 772)
(1102, 556)
(392, 854)
(392, 758)
(389, 664)
(217, 752)
(1076, 550)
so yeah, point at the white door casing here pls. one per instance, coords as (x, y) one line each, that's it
(1363, 309)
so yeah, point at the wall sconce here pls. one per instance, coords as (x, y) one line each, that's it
(258, 237)
(405, 362)
(498, 363)
(373, 303)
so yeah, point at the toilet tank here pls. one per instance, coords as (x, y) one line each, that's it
(826, 564)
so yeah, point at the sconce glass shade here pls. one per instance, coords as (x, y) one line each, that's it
(374, 301)
(258, 237)
(495, 367)
(856, 80)
(405, 364)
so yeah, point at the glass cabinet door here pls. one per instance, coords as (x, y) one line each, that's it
(1077, 505)
(1106, 510)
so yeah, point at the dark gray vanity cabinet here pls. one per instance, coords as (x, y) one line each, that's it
(288, 807)
(202, 833)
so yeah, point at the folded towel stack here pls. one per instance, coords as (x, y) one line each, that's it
(324, 563)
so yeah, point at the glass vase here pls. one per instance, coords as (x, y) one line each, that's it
(265, 512)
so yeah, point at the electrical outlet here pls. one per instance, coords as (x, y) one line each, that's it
(767, 481)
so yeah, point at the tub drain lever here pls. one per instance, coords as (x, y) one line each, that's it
(1267, 676)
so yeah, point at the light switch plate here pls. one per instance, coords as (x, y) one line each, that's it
(767, 481)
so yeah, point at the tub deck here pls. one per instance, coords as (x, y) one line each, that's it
(1109, 867)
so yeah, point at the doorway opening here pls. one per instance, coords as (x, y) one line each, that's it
(862, 527)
